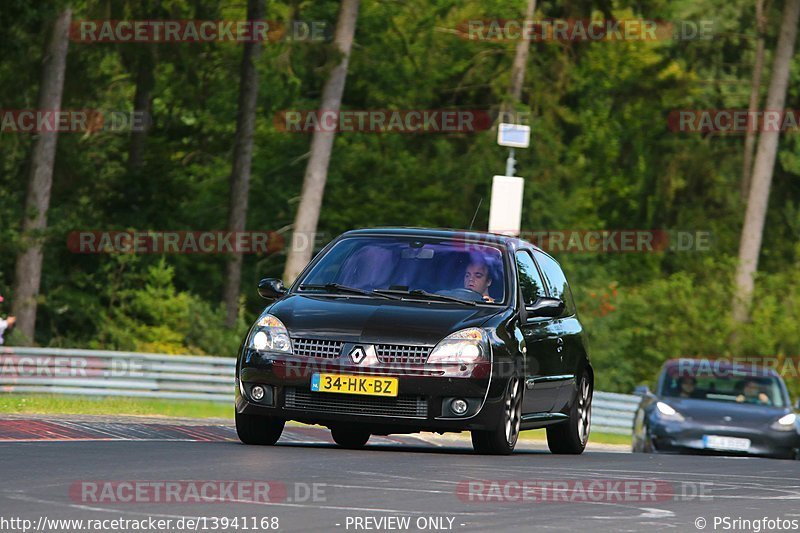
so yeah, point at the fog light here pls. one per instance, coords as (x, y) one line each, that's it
(257, 393)
(458, 406)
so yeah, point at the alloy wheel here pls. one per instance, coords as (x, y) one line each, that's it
(513, 410)
(584, 410)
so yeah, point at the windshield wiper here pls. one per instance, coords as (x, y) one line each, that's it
(425, 294)
(338, 287)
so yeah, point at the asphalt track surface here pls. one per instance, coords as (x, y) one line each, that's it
(46, 462)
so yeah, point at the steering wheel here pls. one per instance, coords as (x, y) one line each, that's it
(467, 294)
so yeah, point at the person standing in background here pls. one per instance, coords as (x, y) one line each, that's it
(5, 323)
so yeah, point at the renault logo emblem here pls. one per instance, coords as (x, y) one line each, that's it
(357, 354)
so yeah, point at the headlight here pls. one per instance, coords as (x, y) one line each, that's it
(785, 423)
(462, 347)
(269, 335)
(668, 413)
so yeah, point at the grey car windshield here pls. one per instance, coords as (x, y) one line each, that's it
(756, 390)
(454, 268)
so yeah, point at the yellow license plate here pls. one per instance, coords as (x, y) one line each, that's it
(346, 384)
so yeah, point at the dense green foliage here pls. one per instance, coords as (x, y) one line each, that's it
(602, 156)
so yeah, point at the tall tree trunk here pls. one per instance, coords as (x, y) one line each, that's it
(242, 159)
(521, 58)
(142, 106)
(305, 222)
(28, 270)
(755, 89)
(758, 199)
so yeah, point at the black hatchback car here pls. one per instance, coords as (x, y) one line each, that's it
(406, 330)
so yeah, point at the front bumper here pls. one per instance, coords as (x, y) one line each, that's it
(686, 437)
(424, 394)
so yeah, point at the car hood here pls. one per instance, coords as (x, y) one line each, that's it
(373, 321)
(726, 413)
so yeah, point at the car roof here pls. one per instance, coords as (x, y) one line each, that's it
(513, 243)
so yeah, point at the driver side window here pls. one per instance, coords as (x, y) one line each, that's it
(529, 278)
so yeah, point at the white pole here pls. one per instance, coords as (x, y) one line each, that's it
(510, 163)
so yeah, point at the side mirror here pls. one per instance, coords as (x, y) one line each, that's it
(271, 288)
(545, 307)
(641, 390)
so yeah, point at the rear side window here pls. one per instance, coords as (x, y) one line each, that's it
(529, 279)
(555, 281)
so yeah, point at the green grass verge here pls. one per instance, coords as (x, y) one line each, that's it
(595, 437)
(112, 405)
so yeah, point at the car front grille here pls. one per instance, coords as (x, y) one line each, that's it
(387, 353)
(402, 406)
(317, 348)
(400, 354)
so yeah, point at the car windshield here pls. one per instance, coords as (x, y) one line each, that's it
(725, 387)
(449, 269)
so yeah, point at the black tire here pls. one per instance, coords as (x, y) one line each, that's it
(639, 432)
(349, 437)
(636, 447)
(503, 439)
(643, 445)
(258, 430)
(647, 445)
(570, 437)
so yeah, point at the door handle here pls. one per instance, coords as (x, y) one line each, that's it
(559, 345)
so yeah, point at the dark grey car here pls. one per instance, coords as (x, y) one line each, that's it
(703, 406)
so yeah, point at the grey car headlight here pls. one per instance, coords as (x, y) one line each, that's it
(785, 423)
(667, 412)
(269, 335)
(462, 347)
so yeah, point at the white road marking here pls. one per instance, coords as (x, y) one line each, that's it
(23, 497)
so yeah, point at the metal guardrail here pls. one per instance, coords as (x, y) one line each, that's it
(106, 373)
(185, 377)
(613, 413)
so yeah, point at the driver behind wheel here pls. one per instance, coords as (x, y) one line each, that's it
(477, 278)
(752, 393)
